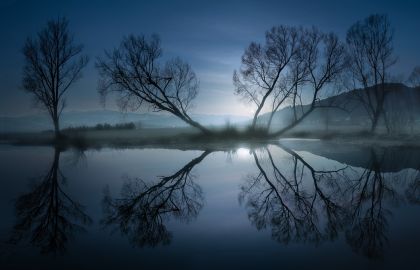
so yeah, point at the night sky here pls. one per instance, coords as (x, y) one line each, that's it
(210, 35)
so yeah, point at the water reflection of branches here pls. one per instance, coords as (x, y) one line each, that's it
(301, 203)
(289, 207)
(47, 214)
(369, 191)
(142, 208)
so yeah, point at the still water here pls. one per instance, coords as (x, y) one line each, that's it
(290, 205)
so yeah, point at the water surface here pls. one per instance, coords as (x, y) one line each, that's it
(293, 204)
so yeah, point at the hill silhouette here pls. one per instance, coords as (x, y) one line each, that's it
(402, 106)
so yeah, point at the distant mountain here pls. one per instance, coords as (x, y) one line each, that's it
(401, 103)
(40, 122)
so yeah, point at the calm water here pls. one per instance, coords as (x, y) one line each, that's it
(293, 205)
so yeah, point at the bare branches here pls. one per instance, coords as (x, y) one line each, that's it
(135, 72)
(321, 62)
(371, 53)
(47, 215)
(292, 199)
(51, 66)
(300, 202)
(291, 58)
(143, 206)
(263, 65)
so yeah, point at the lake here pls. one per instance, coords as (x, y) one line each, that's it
(290, 204)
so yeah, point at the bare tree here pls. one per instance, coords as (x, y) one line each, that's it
(264, 65)
(414, 78)
(135, 72)
(290, 88)
(52, 65)
(371, 51)
(324, 62)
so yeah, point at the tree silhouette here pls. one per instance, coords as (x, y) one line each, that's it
(264, 65)
(135, 72)
(325, 60)
(52, 65)
(290, 59)
(371, 52)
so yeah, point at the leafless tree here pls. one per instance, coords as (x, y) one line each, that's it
(264, 65)
(290, 88)
(325, 61)
(290, 59)
(52, 64)
(371, 52)
(134, 70)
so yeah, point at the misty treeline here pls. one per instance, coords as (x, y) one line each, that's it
(104, 126)
(295, 66)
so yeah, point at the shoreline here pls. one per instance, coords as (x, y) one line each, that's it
(187, 138)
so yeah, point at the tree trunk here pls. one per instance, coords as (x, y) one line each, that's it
(254, 120)
(56, 127)
(195, 124)
(375, 120)
(270, 119)
(374, 124)
(199, 126)
(292, 125)
(257, 112)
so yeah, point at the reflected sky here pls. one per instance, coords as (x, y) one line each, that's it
(224, 208)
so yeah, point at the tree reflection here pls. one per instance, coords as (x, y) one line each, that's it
(369, 192)
(140, 211)
(301, 203)
(280, 199)
(47, 215)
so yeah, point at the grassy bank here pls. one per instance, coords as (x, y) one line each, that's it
(84, 139)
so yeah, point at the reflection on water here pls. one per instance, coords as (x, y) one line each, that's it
(301, 203)
(143, 206)
(292, 199)
(47, 215)
(303, 195)
(369, 193)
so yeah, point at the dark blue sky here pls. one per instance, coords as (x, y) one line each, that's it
(210, 35)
